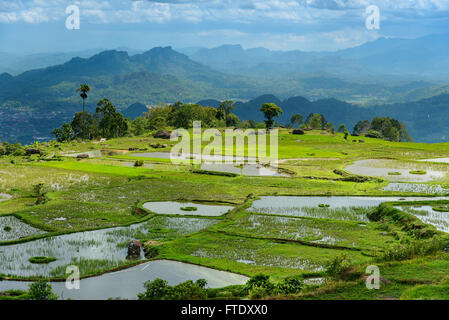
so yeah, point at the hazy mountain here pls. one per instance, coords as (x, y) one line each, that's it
(425, 119)
(135, 110)
(34, 102)
(426, 56)
(15, 64)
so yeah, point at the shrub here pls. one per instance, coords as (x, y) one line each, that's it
(324, 205)
(261, 281)
(374, 134)
(7, 229)
(155, 290)
(159, 289)
(290, 285)
(41, 290)
(41, 259)
(394, 173)
(441, 209)
(418, 172)
(215, 173)
(151, 252)
(337, 266)
(189, 208)
(138, 163)
(413, 248)
(258, 292)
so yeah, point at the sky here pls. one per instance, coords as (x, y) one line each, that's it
(31, 26)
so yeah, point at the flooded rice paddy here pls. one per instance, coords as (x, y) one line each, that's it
(436, 160)
(416, 187)
(126, 284)
(98, 250)
(176, 208)
(395, 170)
(12, 228)
(427, 215)
(245, 170)
(332, 207)
(4, 197)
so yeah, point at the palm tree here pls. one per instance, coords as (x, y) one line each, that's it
(83, 88)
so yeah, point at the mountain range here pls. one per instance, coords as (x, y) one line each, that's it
(346, 86)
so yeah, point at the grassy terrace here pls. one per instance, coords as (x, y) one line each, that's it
(105, 192)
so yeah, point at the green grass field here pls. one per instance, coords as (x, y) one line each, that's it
(109, 191)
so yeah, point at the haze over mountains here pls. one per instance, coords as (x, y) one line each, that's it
(405, 79)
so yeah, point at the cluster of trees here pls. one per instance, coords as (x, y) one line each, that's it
(384, 128)
(315, 121)
(15, 149)
(179, 115)
(106, 122)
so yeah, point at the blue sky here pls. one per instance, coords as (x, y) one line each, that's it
(28, 26)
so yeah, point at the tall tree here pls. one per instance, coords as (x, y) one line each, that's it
(84, 89)
(224, 110)
(296, 119)
(111, 123)
(83, 125)
(270, 111)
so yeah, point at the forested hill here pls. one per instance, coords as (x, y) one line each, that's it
(425, 119)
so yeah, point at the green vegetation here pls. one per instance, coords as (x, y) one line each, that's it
(382, 127)
(417, 172)
(288, 246)
(189, 208)
(159, 289)
(41, 290)
(41, 259)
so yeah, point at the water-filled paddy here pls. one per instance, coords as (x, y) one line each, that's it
(12, 228)
(401, 170)
(335, 207)
(4, 197)
(105, 249)
(129, 282)
(427, 215)
(91, 154)
(354, 235)
(176, 208)
(188, 156)
(416, 187)
(437, 160)
(246, 169)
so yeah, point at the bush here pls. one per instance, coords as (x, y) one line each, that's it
(290, 285)
(215, 173)
(41, 290)
(418, 172)
(374, 134)
(260, 280)
(189, 208)
(7, 229)
(441, 209)
(138, 163)
(41, 259)
(337, 266)
(413, 248)
(159, 289)
(258, 292)
(151, 252)
(155, 290)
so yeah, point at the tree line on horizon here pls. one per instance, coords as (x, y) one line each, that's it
(107, 122)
